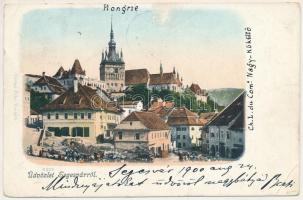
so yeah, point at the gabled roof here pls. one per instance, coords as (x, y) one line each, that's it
(52, 83)
(77, 69)
(164, 78)
(195, 88)
(136, 76)
(183, 116)
(238, 124)
(229, 113)
(60, 72)
(84, 98)
(148, 119)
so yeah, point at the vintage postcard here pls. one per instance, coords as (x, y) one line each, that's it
(108, 99)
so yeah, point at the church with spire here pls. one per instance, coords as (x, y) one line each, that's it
(112, 66)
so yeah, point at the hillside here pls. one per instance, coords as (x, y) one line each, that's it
(224, 96)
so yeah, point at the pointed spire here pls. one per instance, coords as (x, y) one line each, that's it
(174, 71)
(121, 54)
(178, 75)
(161, 68)
(111, 28)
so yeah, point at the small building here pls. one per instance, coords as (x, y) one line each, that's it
(130, 106)
(67, 77)
(143, 129)
(200, 94)
(34, 119)
(185, 126)
(49, 86)
(80, 112)
(224, 134)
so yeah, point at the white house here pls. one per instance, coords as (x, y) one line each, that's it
(130, 106)
(185, 126)
(200, 94)
(80, 112)
(143, 129)
(49, 86)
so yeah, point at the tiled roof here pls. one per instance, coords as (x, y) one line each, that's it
(165, 78)
(195, 88)
(156, 104)
(183, 116)
(229, 113)
(148, 119)
(77, 69)
(52, 83)
(84, 98)
(136, 76)
(208, 116)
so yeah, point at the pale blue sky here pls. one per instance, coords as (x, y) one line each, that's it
(190, 39)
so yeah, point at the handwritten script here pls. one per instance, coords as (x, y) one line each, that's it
(186, 176)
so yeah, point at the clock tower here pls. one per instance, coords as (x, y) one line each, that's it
(112, 66)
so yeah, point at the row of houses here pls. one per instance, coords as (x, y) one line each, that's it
(84, 107)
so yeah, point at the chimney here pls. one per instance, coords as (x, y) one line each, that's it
(75, 85)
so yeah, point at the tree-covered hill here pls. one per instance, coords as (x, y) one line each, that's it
(186, 98)
(224, 96)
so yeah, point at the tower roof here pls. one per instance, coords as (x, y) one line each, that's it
(77, 69)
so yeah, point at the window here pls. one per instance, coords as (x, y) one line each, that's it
(120, 135)
(184, 137)
(240, 140)
(130, 123)
(183, 144)
(89, 115)
(137, 136)
(86, 131)
(48, 116)
(178, 129)
(178, 137)
(57, 116)
(108, 133)
(212, 134)
(75, 115)
(116, 70)
(192, 128)
(179, 145)
(65, 116)
(82, 115)
(77, 132)
(227, 136)
(183, 128)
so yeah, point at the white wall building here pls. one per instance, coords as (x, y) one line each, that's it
(224, 134)
(130, 106)
(185, 127)
(80, 112)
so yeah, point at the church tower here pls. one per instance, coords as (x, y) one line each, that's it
(112, 66)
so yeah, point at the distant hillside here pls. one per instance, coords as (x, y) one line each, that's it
(224, 96)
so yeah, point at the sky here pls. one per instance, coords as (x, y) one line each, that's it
(206, 46)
